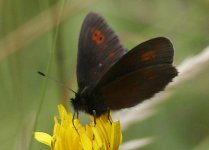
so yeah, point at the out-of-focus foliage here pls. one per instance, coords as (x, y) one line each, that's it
(43, 35)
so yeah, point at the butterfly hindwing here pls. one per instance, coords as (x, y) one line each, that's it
(133, 88)
(138, 75)
(152, 52)
(99, 48)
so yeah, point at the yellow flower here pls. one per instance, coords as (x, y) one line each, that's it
(106, 135)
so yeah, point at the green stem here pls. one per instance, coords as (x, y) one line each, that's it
(47, 70)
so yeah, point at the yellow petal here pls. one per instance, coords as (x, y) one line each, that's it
(116, 137)
(98, 139)
(71, 134)
(43, 138)
(86, 142)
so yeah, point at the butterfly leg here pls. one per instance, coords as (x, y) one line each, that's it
(94, 113)
(108, 115)
(75, 114)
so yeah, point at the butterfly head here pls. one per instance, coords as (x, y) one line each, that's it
(77, 102)
(80, 101)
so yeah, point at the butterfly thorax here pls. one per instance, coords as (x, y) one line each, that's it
(85, 101)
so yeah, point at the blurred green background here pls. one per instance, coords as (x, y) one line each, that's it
(43, 35)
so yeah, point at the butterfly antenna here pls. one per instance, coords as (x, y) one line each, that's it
(53, 79)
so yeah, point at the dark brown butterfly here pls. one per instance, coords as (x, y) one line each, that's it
(111, 78)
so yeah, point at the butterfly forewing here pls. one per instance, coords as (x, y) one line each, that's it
(99, 48)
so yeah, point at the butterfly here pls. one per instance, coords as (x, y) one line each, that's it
(112, 78)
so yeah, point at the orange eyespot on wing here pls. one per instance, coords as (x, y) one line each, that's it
(148, 56)
(98, 37)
